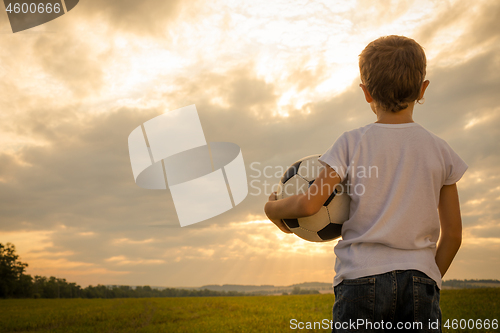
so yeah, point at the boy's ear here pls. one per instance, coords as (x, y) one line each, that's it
(368, 97)
(425, 84)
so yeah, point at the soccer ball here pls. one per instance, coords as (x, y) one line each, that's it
(325, 225)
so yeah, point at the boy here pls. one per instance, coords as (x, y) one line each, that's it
(389, 262)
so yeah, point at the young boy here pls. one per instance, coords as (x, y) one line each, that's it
(404, 227)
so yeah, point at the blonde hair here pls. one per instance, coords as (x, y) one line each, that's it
(393, 69)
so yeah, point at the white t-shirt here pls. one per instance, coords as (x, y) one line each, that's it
(395, 173)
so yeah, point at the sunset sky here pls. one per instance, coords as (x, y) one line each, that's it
(278, 78)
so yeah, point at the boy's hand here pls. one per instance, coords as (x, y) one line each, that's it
(273, 197)
(278, 223)
(302, 205)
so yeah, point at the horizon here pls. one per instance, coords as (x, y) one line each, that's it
(280, 80)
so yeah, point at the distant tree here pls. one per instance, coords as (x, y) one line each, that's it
(24, 286)
(13, 283)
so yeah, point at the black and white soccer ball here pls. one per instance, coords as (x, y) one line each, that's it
(325, 225)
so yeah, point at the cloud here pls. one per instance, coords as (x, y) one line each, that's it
(72, 61)
(492, 231)
(138, 17)
(82, 177)
(81, 158)
(72, 98)
(449, 16)
(217, 253)
(80, 184)
(461, 108)
(461, 30)
(485, 26)
(476, 261)
(369, 15)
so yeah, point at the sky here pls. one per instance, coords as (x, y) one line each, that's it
(280, 79)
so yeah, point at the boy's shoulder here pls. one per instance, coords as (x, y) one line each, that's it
(432, 136)
(376, 129)
(406, 126)
(357, 132)
(356, 135)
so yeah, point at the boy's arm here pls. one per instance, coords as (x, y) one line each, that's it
(302, 205)
(451, 227)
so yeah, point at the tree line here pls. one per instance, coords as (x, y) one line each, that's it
(15, 283)
(471, 284)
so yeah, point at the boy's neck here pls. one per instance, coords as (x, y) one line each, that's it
(400, 117)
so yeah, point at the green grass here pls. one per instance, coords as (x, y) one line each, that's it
(468, 304)
(207, 314)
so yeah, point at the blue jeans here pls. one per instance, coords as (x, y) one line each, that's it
(397, 301)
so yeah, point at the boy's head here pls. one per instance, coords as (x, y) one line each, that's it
(393, 69)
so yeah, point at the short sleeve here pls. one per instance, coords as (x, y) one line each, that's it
(455, 166)
(337, 156)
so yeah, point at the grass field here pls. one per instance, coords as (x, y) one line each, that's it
(209, 314)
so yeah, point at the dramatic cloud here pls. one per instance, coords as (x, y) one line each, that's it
(137, 17)
(279, 79)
